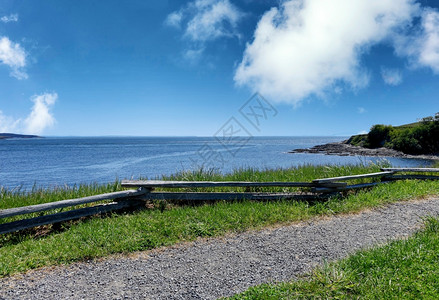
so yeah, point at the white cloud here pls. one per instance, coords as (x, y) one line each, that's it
(14, 56)
(308, 47)
(391, 76)
(422, 48)
(174, 19)
(10, 18)
(204, 21)
(193, 55)
(429, 55)
(361, 110)
(39, 119)
(8, 124)
(212, 19)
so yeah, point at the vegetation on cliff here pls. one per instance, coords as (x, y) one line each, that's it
(421, 137)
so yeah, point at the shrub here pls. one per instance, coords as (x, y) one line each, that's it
(417, 138)
(404, 140)
(379, 135)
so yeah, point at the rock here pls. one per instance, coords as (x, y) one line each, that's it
(344, 149)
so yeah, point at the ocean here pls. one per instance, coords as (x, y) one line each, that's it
(58, 161)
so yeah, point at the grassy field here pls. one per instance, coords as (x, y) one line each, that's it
(162, 225)
(405, 269)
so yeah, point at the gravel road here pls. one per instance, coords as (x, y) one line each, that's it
(222, 267)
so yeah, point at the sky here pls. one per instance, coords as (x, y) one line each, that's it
(194, 68)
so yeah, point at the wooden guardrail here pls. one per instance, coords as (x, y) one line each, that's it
(431, 170)
(122, 199)
(67, 203)
(351, 177)
(130, 198)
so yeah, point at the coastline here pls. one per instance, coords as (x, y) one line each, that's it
(5, 136)
(343, 149)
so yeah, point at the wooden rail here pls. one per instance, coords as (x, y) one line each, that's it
(411, 169)
(133, 198)
(215, 184)
(123, 199)
(348, 187)
(67, 203)
(198, 196)
(411, 176)
(351, 177)
(63, 216)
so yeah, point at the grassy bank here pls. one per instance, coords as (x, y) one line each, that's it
(405, 269)
(162, 225)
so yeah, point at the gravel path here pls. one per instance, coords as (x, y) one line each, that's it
(222, 267)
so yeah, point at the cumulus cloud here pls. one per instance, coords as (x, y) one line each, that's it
(206, 20)
(422, 47)
(391, 76)
(10, 18)
(307, 47)
(39, 119)
(14, 56)
(429, 53)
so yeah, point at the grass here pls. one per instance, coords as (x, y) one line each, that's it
(18, 197)
(158, 226)
(404, 269)
(304, 173)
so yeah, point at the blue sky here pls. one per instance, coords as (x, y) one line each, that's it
(184, 68)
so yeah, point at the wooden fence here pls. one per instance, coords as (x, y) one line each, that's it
(318, 188)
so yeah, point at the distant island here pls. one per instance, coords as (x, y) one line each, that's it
(15, 136)
(415, 140)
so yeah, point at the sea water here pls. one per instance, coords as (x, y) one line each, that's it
(57, 161)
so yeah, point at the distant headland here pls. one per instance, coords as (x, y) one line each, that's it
(415, 140)
(4, 136)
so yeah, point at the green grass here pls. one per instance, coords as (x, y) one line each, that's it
(304, 173)
(154, 226)
(18, 197)
(404, 269)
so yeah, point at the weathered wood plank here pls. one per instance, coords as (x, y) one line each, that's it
(349, 187)
(350, 177)
(70, 202)
(208, 184)
(192, 196)
(411, 169)
(413, 176)
(64, 216)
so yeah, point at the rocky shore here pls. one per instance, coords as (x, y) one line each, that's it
(344, 149)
